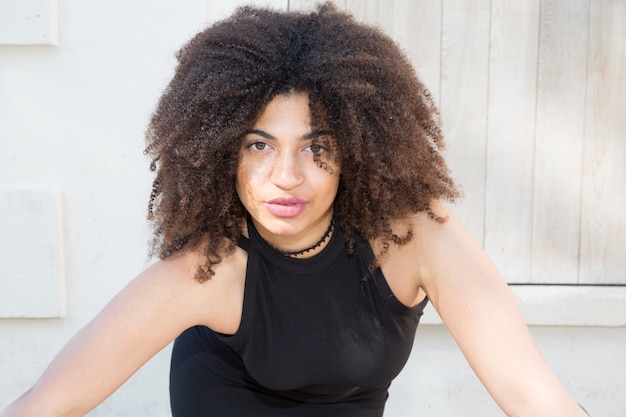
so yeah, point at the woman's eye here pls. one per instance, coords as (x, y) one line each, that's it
(258, 146)
(316, 148)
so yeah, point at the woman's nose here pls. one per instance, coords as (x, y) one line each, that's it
(287, 173)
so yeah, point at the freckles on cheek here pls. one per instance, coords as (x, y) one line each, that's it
(246, 177)
(253, 171)
(239, 181)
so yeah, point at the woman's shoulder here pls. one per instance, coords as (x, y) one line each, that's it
(215, 302)
(407, 266)
(424, 228)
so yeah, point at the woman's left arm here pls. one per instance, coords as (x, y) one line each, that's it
(478, 308)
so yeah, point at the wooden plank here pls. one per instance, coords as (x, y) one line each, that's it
(464, 84)
(417, 28)
(603, 243)
(511, 135)
(374, 12)
(305, 5)
(559, 140)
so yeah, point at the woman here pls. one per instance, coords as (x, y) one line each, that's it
(297, 214)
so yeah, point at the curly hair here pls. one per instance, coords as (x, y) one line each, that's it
(361, 87)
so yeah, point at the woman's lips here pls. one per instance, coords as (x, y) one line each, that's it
(286, 206)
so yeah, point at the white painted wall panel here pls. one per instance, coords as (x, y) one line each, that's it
(31, 253)
(28, 22)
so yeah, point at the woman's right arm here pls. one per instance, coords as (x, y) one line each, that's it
(144, 317)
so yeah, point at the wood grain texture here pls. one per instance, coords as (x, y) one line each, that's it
(417, 28)
(603, 234)
(464, 95)
(376, 13)
(511, 136)
(559, 140)
(305, 4)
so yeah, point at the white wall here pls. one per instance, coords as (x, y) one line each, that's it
(72, 117)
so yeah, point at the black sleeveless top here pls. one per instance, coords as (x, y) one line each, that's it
(318, 337)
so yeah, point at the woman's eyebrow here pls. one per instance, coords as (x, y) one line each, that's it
(316, 134)
(261, 133)
(312, 135)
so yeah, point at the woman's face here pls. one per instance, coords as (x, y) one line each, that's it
(287, 193)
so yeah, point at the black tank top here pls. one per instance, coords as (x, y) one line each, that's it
(320, 336)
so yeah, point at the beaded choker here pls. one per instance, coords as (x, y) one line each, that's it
(293, 254)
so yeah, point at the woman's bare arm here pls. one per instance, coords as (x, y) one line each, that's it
(478, 308)
(143, 318)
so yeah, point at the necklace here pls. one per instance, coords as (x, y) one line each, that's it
(293, 254)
